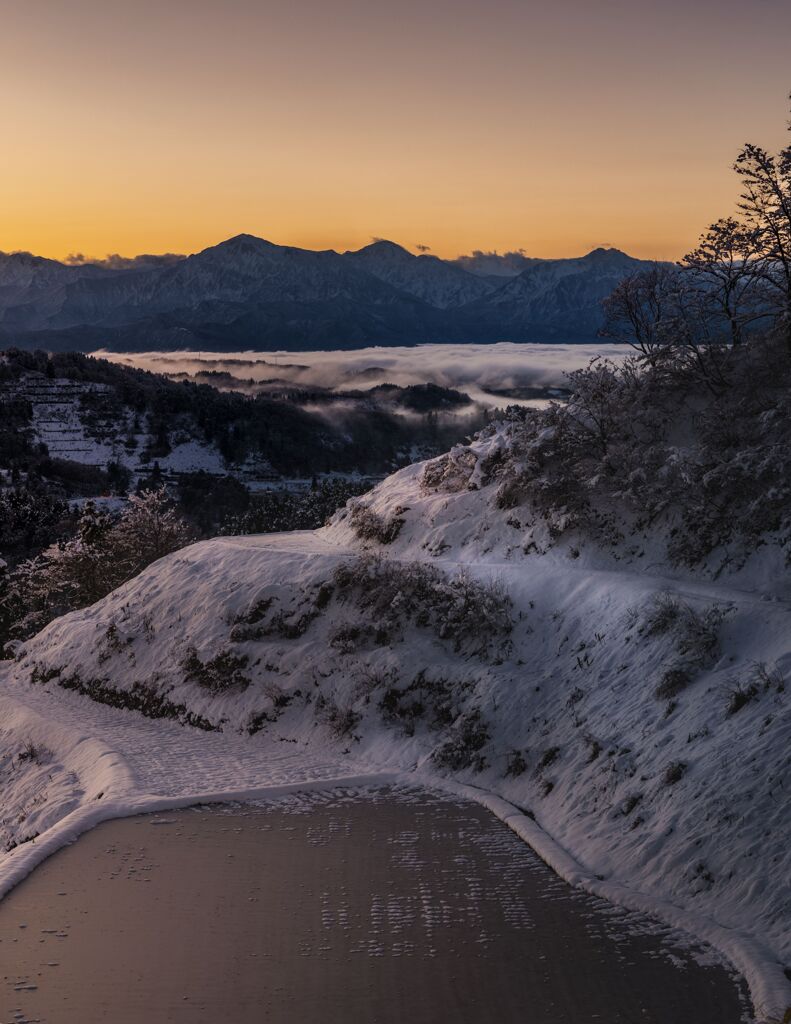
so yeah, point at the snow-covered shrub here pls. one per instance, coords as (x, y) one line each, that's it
(760, 681)
(258, 720)
(435, 699)
(473, 615)
(289, 625)
(398, 706)
(695, 638)
(548, 758)
(349, 637)
(741, 695)
(673, 681)
(256, 612)
(674, 773)
(370, 525)
(107, 551)
(342, 720)
(517, 765)
(145, 698)
(767, 679)
(698, 634)
(30, 752)
(695, 634)
(451, 472)
(663, 614)
(113, 642)
(277, 615)
(649, 449)
(568, 462)
(630, 803)
(225, 671)
(594, 749)
(462, 748)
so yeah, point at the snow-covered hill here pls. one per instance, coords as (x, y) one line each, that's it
(639, 715)
(87, 423)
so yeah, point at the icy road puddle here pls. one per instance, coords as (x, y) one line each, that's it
(339, 908)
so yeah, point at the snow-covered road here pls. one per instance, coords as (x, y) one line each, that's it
(171, 760)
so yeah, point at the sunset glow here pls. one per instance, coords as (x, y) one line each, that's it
(557, 128)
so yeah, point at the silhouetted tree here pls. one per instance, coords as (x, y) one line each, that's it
(726, 272)
(766, 211)
(641, 311)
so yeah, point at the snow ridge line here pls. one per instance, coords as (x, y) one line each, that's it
(770, 990)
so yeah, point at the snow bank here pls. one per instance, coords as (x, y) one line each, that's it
(57, 782)
(768, 983)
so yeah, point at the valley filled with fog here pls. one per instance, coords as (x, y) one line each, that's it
(492, 375)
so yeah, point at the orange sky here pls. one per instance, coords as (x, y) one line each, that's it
(150, 126)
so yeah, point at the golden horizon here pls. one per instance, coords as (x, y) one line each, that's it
(153, 128)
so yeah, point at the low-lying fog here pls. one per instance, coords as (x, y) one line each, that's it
(490, 374)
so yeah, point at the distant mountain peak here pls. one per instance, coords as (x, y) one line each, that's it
(610, 253)
(243, 242)
(426, 277)
(382, 247)
(23, 257)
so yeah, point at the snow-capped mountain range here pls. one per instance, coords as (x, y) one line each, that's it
(248, 292)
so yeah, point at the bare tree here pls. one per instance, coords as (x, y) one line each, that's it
(726, 271)
(766, 207)
(640, 311)
(667, 315)
(739, 275)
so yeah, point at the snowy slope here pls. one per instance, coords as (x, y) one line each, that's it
(680, 797)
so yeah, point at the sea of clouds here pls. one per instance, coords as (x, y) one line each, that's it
(474, 369)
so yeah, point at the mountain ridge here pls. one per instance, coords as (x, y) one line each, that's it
(248, 291)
